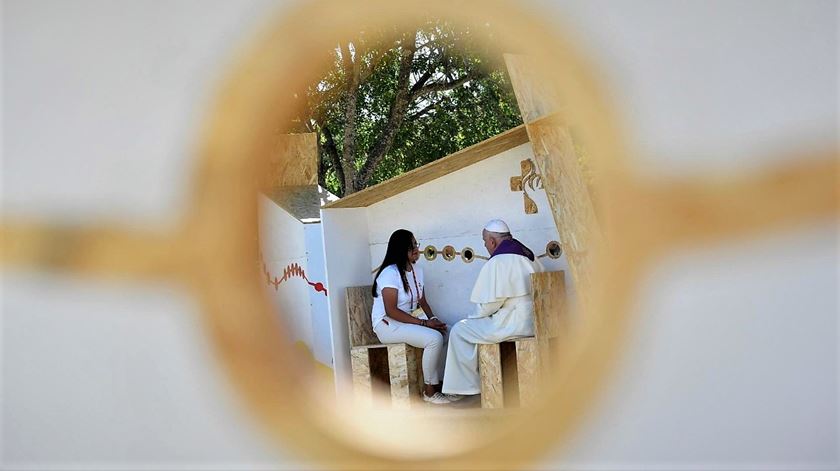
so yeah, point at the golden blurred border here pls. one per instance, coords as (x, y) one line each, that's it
(214, 249)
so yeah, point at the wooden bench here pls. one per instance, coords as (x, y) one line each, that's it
(393, 370)
(512, 371)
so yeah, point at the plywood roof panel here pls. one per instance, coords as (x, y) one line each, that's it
(444, 166)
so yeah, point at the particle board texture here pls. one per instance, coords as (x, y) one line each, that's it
(563, 178)
(293, 161)
(403, 361)
(359, 307)
(508, 373)
(513, 372)
(550, 316)
(380, 370)
(490, 369)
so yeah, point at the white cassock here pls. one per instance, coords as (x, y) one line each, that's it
(504, 310)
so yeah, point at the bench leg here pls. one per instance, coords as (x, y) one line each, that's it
(490, 371)
(528, 371)
(362, 381)
(402, 365)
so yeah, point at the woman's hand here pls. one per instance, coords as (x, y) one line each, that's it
(435, 323)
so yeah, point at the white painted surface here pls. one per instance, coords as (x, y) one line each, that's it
(733, 363)
(283, 245)
(101, 103)
(346, 252)
(452, 210)
(712, 86)
(318, 300)
(116, 375)
(104, 102)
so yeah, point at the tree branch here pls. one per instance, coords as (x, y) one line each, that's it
(322, 163)
(422, 81)
(378, 55)
(348, 152)
(346, 60)
(421, 113)
(332, 151)
(442, 59)
(444, 86)
(329, 96)
(309, 125)
(396, 114)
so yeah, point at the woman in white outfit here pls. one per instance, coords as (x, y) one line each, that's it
(402, 314)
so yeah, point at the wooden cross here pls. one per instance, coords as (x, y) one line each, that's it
(528, 178)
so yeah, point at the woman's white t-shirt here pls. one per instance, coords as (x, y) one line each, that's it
(407, 301)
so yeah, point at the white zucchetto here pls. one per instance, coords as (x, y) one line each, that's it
(496, 225)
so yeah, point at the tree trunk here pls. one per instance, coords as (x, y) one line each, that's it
(348, 155)
(396, 115)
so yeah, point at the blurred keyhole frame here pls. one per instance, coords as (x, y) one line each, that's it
(282, 62)
(213, 250)
(257, 97)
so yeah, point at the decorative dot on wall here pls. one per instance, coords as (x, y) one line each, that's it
(430, 252)
(449, 253)
(467, 254)
(553, 249)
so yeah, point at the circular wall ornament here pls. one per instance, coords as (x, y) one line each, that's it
(430, 252)
(467, 254)
(448, 253)
(553, 249)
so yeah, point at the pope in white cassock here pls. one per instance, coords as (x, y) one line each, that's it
(504, 308)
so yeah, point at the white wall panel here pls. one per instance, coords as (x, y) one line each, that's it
(284, 246)
(347, 253)
(452, 210)
(318, 300)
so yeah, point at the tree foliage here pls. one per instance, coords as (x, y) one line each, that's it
(393, 101)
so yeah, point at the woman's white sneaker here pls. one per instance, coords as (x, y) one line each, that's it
(436, 398)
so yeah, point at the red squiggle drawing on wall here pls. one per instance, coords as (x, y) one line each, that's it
(292, 269)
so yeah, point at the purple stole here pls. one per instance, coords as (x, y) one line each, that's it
(515, 247)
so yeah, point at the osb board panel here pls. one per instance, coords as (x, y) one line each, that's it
(371, 379)
(549, 313)
(402, 366)
(535, 97)
(418, 369)
(490, 371)
(444, 166)
(549, 302)
(527, 370)
(360, 363)
(569, 199)
(380, 377)
(293, 161)
(510, 374)
(359, 306)
(554, 154)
